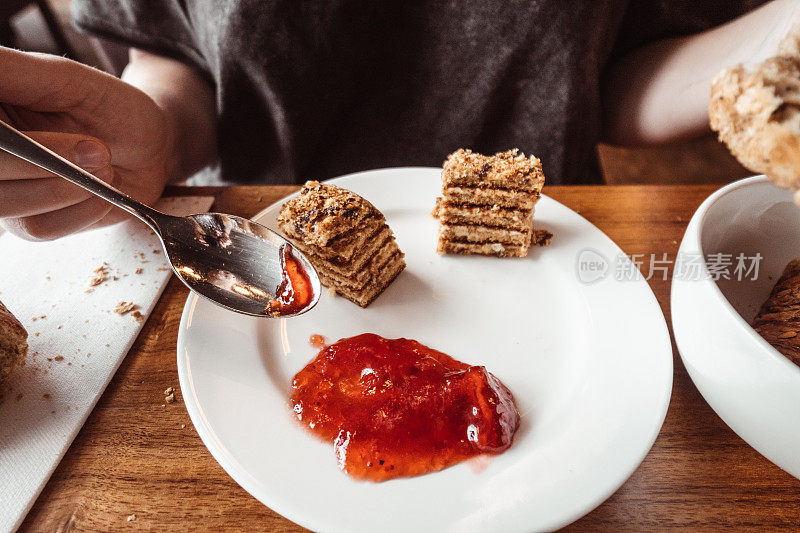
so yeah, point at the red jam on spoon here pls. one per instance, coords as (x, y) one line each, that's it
(295, 290)
(396, 408)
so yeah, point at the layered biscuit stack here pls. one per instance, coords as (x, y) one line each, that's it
(345, 238)
(487, 204)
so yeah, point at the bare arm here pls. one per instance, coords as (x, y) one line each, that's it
(188, 100)
(660, 93)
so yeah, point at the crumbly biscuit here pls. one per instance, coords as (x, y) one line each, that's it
(487, 203)
(346, 240)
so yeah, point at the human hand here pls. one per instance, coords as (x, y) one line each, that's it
(104, 125)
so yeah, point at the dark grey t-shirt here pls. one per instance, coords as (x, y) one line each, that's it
(314, 89)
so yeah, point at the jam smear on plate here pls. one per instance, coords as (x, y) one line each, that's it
(295, 290)
(396, 408)
(317, 341)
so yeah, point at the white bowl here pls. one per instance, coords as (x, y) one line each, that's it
(750, 385)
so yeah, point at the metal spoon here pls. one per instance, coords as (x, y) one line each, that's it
(232, 261)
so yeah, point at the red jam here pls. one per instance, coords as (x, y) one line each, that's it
(295, 290)
(395, 408)
(317, 341)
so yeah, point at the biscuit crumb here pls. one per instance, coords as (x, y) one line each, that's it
(541, 237)
(138, 316)
(183, 426)
(45, 396)
(131, 518)
(123, 308)
(139, 270)
(99, 275)
(169, 390)
(170, 398)
(58, 358)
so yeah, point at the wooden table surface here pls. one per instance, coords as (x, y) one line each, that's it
(134, 456)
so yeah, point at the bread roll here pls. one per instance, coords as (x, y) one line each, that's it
(756, 112)
(13, 346)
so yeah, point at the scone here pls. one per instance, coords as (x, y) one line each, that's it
(13, 345)
(778, 321)
(487, 204)
(345, 238)
(757, 114)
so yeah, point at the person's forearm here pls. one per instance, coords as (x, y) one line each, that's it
(188, 100)
(660, 93)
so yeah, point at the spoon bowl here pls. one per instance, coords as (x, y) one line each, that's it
(232, 261)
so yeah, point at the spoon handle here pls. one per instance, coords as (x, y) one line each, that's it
(20, 145)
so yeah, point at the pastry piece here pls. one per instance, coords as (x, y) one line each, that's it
(345, 238)
(756, 112)
(13, 345)
(487, 204)
(778, 321)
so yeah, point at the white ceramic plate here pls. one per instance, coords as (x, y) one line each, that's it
(590, 365)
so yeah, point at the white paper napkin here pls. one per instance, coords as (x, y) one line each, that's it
(76, 340)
